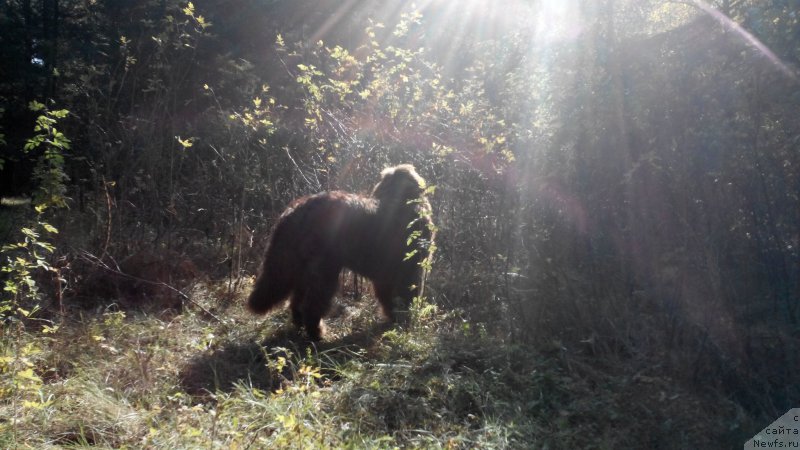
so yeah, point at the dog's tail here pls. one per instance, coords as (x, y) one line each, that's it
(275, 282)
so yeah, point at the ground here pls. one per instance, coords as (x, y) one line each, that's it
(219, 377)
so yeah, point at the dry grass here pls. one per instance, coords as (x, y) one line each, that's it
(114, 379)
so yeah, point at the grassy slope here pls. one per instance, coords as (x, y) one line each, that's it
(135, 380)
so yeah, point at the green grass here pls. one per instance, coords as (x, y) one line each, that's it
(114, 379)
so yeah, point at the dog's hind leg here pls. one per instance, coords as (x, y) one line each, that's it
(315, 299)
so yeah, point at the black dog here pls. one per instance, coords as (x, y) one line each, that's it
(383, 237)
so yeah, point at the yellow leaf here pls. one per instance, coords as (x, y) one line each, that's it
(28, 374)
(186, 143)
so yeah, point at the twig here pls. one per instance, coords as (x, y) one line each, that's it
(108, 219)
(98, 262)
(308, 182)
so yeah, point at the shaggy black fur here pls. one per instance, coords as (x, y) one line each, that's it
(320, 234)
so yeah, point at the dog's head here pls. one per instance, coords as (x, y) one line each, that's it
(399, 183)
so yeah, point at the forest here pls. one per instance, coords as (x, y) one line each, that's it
(614, 190)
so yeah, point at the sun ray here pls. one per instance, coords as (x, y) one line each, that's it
(333, 20)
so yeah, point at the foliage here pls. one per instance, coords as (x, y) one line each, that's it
(49, 171)
(392, 102)
(616, 183)
(19, 383)
(23, 258)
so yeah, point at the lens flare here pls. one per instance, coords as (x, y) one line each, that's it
(747, 36)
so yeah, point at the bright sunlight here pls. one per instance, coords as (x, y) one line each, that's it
(389, 224)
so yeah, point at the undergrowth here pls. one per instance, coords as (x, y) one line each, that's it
(133, 379)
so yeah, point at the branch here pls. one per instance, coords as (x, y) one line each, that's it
(98, 262)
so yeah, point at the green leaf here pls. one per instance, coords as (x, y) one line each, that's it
(59, 114)
(49, 247)
(49, 228)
